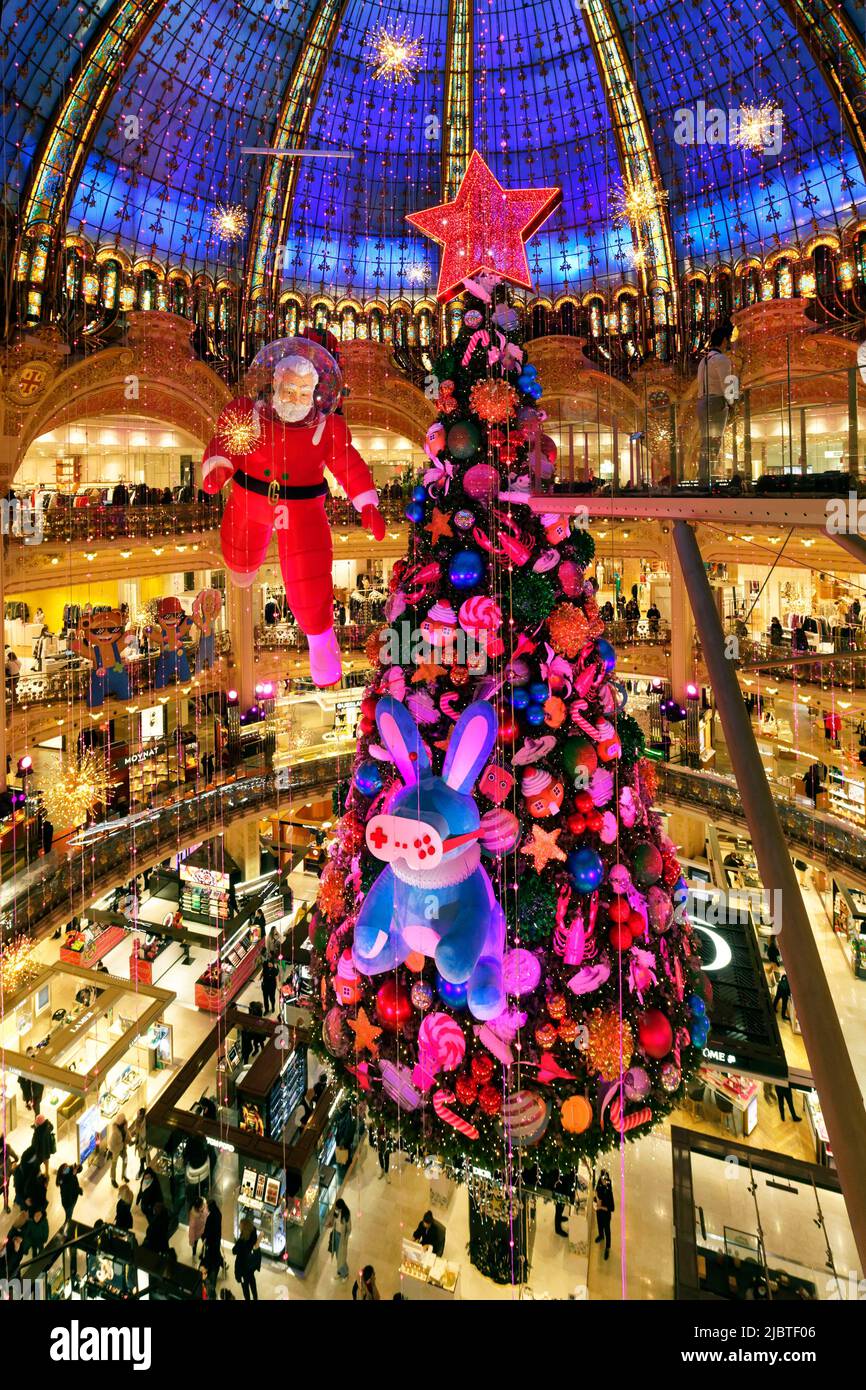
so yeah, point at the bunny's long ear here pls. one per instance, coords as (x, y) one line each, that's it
(402, 739)
(473, 737)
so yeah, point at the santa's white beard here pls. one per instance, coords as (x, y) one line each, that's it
(289, 413)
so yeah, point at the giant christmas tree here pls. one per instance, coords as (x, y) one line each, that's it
(501, 961)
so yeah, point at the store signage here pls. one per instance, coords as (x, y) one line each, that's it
(221, 1144)
(203, 878)
(144, 755)
(744, 1034)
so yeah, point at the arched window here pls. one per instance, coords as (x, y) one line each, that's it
(596, 317)
(783, 280)
(626, 314)
(320, 317)
(74, 275)
(425, 328)
(750, 286)
(538, 321)
(398, 322)
(375, 319)
(568, 319)
(109, 275)
(145, 284)
(289, 319)
(348, 324)
(178, 297)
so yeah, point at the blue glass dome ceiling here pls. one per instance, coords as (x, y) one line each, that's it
(210, 77)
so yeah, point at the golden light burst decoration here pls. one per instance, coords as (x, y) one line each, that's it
(229, 221)
(418, 273)
(238, 430)
(757, 127)
(18, 965)
(396, 55)
(78, 791)
(637, 202)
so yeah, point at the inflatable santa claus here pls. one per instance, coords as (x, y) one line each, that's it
(275, 452)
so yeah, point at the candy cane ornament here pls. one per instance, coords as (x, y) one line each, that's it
(441, 1105)
(479, 336)
(624, 1123)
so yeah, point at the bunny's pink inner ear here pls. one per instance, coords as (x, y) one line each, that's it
(403, 742)
(470, 743)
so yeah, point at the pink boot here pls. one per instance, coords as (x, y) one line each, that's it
(326, 666)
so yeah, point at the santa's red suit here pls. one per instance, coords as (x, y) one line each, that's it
(280, 487)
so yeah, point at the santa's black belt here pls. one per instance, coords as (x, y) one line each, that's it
(280, 492)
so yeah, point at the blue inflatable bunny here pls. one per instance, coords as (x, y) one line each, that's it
(434, 897)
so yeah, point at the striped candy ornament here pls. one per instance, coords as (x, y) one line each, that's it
(624, 1123)
(442, 1106)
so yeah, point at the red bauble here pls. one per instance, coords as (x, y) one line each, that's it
(594, 821)
(576, 823)
(466, 1089)
(490, 1100)
(655, 1034)
(393, 1006)
(583, 801)
(509, 729)
(619, 937)
(635, 924)
(619, 911)
(482, 1068)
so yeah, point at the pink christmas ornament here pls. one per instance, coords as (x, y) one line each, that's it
(628, 809)
(609, 828)
(571, 578)
(521, 971)
(601, 787)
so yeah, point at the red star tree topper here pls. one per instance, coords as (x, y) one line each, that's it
(486, 228)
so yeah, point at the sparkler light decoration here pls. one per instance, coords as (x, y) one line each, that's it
(638, 202)
(238, 430)
(18, 965)
(758, 128)
(80, 789)
(417, 273)
(229, 221)
(396, 55)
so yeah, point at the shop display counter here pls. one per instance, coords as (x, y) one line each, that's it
(92, 944)
(427, 1276)
(149, 958)
(261, 1201)
(823, 1152)
(225, 978)
(741, 1091)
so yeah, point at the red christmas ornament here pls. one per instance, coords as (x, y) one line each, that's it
(466, 1089)
(509, 730)
(546, 1035)
(576, 823)
(393, 1006)
(490, 1100)
(557, 1005)
(486, 227)
(594, 821)
(619, 910)
(655, 1034)
(482, 1068)
(635, 924)
(619, 937)
(568, 1030)
(583, 801)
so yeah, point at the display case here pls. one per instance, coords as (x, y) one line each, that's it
(261, 1201)
(109, 1275)
(849, 923)
(91, 944)
(224, 978)
(160, 1046)
(431, 1277)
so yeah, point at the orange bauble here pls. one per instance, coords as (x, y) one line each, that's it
(576, 1115)
(414, 962)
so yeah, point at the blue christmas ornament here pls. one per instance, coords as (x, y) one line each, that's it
(419, 494)
(415, 512)
(466, 569)
(533, 390)
(368, 779)
(455, 995)
(607, 654)
(519, 698)
(697, 1006)
(586, 868)
(535, 715)
(539, 691)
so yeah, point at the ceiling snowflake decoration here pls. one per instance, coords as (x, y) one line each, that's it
(638, 202)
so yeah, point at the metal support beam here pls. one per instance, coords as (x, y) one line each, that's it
(841, 1098)
(854, 545)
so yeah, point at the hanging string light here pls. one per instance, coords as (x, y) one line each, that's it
(80, 789)
(396, 55)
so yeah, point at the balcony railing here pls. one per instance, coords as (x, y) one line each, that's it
(41, 688)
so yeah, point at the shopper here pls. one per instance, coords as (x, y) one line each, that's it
(8, 1161)
(364, 1289)
(269, 985)
(24, 1178)
(70, 1188)
(383, 1150)
(783, 1094)
(213, 1235)
(632, 618)
(430, 1233)
(44, 1143)
(149, 1193)
(653, 617)
(35, 1232)
(196, 1225)
(248, 1260)
(117, 1141)
(783, 996)
(31, 1091)
(156, 1235)
(123, 1213)
(338, 1241)
(138, 1139)
(604, 1209)
(12, 1255)
(211, 1264)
